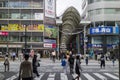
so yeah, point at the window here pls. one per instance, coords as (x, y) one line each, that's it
(37, 39)
(112, 40)
(98, 11)
(112, 11)
(97, 40)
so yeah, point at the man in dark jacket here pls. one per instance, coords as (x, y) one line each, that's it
(35, 65)
(71, 63)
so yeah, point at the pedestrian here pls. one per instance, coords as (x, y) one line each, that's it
(35, 64)
(6, 63)
(113, 60)
(54, 55)
(20, 56)
(13, 56)
(78, 69)
(63, 63)
(86, 60)
(26, 70)
(102, 60)
(71, 63)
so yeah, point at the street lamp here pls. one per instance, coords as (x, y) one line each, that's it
(25, 38)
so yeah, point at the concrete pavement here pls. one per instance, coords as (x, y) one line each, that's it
(49, 69)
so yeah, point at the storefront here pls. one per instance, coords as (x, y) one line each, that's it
(103, 39)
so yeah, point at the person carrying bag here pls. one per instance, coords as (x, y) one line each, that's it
(6, 63)
(77, 67)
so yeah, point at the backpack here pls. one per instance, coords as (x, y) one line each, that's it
(63, 63)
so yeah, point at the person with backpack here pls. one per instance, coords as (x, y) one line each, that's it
(71, 63)
(6, 63)
(63, 63)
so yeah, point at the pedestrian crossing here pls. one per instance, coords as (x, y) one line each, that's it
(63, 76)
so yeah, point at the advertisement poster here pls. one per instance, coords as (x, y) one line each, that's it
(50, 8)
(50, 12)
(18, 27)
(50, 32)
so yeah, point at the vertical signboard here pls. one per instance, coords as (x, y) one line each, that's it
(49, 12)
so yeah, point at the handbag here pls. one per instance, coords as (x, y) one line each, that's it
(37, 64)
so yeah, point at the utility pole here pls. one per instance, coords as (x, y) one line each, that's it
(25, 40)
(85, 40)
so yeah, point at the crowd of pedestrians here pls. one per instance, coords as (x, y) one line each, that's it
(28, 70)
(72, 61)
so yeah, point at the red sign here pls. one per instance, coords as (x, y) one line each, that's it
(53, 45)
(3, 33)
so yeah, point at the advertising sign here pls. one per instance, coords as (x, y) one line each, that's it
(50, 8)
(49, 41)
(3, 33)
(50, 12)
(18, 27)
(39, 16)
(50, 32)
(101, 30)
(46, 45)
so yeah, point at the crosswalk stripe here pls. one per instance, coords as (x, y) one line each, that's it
(112, 76)
(51, 76)
(89, 77)
(74, 75)
(100, 76)
(63, 76)
(13, 77)
(39, 78)
(116, 74)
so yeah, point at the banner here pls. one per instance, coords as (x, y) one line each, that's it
(50, 8)
(18, 27)
(50, 12)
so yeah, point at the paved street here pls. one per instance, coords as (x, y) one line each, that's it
(53, 71)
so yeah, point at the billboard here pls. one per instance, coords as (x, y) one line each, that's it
(50, 8)
(18, 27)
(50, 32)
(50, 12)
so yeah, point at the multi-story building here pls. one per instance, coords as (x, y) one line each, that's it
(103, 32)
(32, 15)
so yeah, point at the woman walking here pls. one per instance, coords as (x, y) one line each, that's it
(78, 68)
(6, 63)
(26, 72)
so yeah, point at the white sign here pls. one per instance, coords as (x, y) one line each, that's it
(50, 8)
(48, 45)
(39, 16)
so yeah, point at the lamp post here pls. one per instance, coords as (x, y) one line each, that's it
(25, 44)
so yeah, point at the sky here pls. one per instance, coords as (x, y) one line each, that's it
(62, 5)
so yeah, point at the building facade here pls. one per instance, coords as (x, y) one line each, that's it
(37, 17)
(103, 32)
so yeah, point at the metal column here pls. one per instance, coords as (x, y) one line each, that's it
(84, 40)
